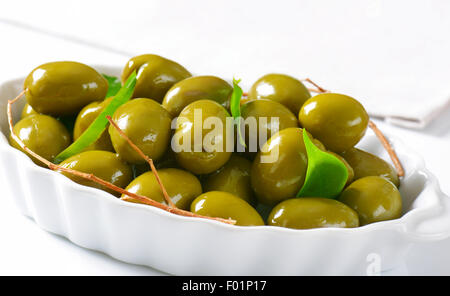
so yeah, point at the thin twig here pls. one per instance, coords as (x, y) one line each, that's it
(92, 177)
(387, 146)
(314, 90)
(318, 90)
(147, 159)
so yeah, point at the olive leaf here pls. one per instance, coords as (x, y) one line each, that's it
(114, 85)
(93, 132)
(326, 175)
(235, 107)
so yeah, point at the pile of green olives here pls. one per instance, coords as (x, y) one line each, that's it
(64, 98)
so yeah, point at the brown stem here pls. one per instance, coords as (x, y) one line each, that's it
(91, 177)
(147, 159)
(318, 89)
(314, 90)
(387, 146)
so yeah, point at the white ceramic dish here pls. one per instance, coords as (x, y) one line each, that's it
(178, 245)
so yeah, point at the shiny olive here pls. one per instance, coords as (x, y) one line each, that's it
(63, 88)
(197, 88)
(27, 111)
(350, 172)
(209, 151)
(279, 169)
(312, 212)
(106, 165)
(374, 199)
(233, 177)
(228, 206)
(338, 121)
(280, 88)
(366, 164)
(147, 124)
(43, 134)
(182, 187)
(155, 75)
(84, 119)
(262, 114)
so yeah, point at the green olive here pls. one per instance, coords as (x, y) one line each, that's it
(351, 173)
(182, 187)
(227, 206)
(374, 199)
(106, 165)
(312, 212)
(233, 177)
(155, 75)
(261, 114)
(43, 134)
(366, 164)
(210, 151)
(27, 111)
(147, 124)
(281, 88)
(197, 88)
(338, 121)
(84, 119)
(63, 88)
(279, 169)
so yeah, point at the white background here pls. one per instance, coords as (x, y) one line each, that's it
(391, 55)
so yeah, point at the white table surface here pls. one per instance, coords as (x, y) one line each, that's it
(65, 32)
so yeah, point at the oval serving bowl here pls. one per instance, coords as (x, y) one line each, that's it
(145, 235)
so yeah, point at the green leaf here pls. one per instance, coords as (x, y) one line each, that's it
(235, 106)
(114, 85)
(326, 175)
(93, 132)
